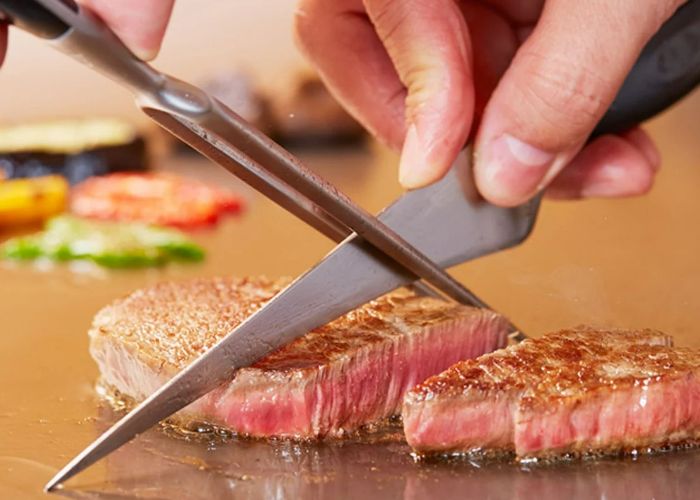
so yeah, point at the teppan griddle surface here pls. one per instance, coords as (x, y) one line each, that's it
(630, 263)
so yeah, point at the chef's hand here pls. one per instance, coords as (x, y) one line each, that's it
(535, 75)
(139, 23)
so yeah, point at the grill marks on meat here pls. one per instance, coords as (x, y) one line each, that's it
(574, 391)
(351, 372)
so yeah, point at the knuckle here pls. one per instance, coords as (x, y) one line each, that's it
(560, 93)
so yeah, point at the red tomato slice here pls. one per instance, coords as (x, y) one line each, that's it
(155, 198)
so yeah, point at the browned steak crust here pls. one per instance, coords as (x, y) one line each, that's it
(352, 371)
(573, 390)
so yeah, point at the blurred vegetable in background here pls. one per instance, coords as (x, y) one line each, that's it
(26, 201)
(76, 149)
(109, 244)
(156, 198)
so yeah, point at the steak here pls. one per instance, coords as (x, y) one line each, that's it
(351, 372)
(574, 391)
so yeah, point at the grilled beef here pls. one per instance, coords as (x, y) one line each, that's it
(575, 391)
(351, 372)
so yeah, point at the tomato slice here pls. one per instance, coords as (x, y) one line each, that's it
(156, 198)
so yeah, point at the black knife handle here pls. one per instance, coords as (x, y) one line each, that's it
(33, 16)
(667, 70)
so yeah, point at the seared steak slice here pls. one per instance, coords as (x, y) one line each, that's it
(351, 372)
(572, 391)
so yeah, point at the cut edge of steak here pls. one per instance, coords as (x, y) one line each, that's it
(571, 392)
(352, 372)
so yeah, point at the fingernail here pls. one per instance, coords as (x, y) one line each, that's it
(414, 168)
(512, 169)
(645, 145)
(144, 54)
(607, 181)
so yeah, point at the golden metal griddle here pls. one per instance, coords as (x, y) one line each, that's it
(49, 407)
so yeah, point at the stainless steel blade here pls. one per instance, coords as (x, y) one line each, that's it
(462, 227)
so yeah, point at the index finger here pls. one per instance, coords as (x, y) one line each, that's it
(429, 45)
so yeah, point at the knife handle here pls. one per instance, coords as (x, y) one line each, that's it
(666, 71)
(33, 16)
